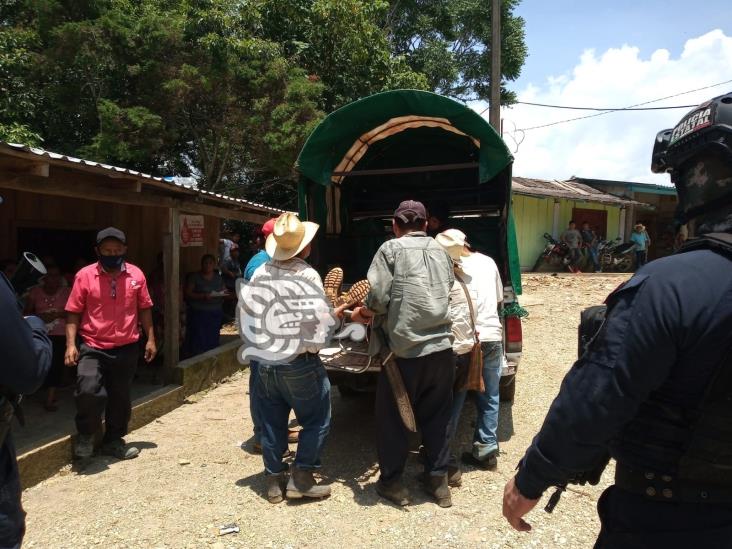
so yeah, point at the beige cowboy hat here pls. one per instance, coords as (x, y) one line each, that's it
(289, 237)
(454, 242)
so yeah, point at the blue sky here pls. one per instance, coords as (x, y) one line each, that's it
(611, 54)
(557, 31)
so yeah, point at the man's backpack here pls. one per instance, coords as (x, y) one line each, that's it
(592, 318)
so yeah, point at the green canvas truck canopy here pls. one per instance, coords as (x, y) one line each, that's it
(401, 129)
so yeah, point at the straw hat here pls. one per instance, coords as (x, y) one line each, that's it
(454, 243)
(289, 236)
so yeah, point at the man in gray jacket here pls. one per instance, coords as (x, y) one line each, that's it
(411, 277)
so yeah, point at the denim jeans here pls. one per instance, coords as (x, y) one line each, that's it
(594, 257)
(485, 438)
(301, 385)
(253, 409)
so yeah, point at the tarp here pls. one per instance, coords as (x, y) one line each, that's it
(342, 131)
(343, 138)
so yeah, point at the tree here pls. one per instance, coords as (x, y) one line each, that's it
(227, 90)
(341, 44)
(18, 100)
(449, 41)
(161, 86)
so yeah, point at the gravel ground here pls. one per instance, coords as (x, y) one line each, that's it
(195, 472)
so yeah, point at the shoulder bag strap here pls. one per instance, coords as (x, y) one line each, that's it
(470, 305)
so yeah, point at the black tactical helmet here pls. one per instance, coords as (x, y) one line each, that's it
(698, 155)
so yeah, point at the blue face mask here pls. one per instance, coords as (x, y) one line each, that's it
(111, 262)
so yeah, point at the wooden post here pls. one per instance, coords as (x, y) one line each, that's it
(171, 262)
(495, 102)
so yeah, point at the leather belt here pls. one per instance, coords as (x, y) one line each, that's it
(662, 487)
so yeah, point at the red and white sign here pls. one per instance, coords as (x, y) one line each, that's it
(191, 230)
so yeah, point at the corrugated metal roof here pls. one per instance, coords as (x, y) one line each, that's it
(90, 165)
(571, 190)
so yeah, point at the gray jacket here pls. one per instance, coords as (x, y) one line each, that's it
(410, 279)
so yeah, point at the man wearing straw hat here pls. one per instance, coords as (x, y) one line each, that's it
(284, 318)
(484, 280)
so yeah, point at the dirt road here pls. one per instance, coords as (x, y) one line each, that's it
(193, 474)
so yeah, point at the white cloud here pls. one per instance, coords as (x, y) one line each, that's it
(617, 145)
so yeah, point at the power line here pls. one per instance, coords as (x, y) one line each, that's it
(627, 108)
(611, 109)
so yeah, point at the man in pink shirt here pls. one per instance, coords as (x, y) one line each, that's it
(106, 302)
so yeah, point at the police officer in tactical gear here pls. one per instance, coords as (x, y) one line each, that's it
(26, 358)
(654, 388)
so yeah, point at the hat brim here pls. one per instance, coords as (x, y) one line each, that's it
(282, 254)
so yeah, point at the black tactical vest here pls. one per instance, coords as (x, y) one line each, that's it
(704, 433)
(708, 457)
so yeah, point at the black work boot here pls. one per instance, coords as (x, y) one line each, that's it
(437, 487)
(118, 449)
(302, 485)
(394, 491)
(275, 486)
(489, 463)
(84, 446)
(454, 476)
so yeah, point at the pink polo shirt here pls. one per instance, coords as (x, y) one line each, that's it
(108, 306)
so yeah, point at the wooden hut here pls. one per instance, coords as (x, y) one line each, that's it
(54, 204)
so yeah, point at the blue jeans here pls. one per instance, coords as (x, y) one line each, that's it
(301, 385)
(485, 438)
(253, 410)
(640, 258)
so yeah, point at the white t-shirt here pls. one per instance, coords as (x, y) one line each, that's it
(284, 276)
(462, 325)
(485, 280)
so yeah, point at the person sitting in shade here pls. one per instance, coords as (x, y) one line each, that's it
(204, 294)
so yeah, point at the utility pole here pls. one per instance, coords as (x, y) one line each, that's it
(495, 102)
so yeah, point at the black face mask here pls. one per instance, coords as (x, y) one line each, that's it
(111, 262)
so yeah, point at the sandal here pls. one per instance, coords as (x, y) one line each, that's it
(332, 284)
(356, 294)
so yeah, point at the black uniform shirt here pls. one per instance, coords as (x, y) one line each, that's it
(665, 335)
(25, 357)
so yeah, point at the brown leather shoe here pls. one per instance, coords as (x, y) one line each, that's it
(302, 484)
(275, 487)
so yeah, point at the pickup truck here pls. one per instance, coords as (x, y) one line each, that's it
(365, 158)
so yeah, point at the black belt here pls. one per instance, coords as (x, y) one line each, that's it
(661, 487)
(307, 355)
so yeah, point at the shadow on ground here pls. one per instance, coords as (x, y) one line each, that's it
(349, 457)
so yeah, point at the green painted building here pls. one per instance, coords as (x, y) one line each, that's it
(543, 206)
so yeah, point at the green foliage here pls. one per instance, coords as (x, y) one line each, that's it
(227, 90)
(341, 44)
(449, 41)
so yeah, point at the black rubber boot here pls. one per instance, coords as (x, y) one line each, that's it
(437, 487)
(454, 476)
(394, 491)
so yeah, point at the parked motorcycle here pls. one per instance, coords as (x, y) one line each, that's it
(555, 254)
(615, 255)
